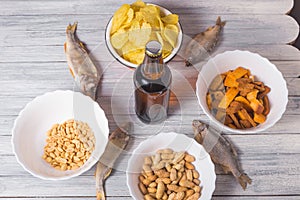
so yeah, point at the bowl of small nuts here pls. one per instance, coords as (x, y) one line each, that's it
(60, 135)
(170, 166)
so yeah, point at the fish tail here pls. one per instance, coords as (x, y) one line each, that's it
(244, 179)
(100, 194)
(220, 22)
(72, 28)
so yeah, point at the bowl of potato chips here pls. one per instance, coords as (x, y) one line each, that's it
(133, 26)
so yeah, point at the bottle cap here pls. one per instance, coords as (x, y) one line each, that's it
(153, 49)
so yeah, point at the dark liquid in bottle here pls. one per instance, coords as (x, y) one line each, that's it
(152, 81)
(154, 99)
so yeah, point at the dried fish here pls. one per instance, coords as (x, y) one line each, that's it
(203, 43)
(118, 140)
(80, 64)
(221, 151)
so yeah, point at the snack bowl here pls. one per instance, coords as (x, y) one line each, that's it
(123, 61)
(38, 116)
(177, 142)
(262, 69)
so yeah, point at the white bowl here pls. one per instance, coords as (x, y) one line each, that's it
(129, 64)
(261, 68)
(38, 116)
(177, 142)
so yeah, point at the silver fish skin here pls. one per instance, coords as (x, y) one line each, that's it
(80, 64)
(118, 141)
(221, 151)
(203, 43)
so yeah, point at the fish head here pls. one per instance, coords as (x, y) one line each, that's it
(188, 62)
(195, 53)
(196, 56)
(192, 53)
(120, 137)
(200, 130)
(88, 84)
(91, 92)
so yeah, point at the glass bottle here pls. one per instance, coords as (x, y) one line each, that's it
(152, 81)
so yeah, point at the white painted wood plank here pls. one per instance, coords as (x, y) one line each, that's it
(248, 147)
(214, 198)
(57, 70)
(198, 21)
(262, 170)
(256, 197)
(286, 125)
(268, 179)
(127, 198)
(242, 30)
(107, 89)
(31, 54)
(95, 7)
(184, 106)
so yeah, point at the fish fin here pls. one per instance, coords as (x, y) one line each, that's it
(244, 179)
(127, 127)
(232, 148)
(65, 47)
(100, 194)
(220, 22)
(82, 45)
(71, 71)
(234, 151)
(198, 138)
(225, 169)
(107, 173)
(72, 28)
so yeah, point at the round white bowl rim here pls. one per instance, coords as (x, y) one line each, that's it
(251, 130)
(132, 65)
(169, 135)
(19, 117)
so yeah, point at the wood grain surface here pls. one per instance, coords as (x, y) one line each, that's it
(32, 62)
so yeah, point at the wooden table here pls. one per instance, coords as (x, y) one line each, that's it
(32, 62)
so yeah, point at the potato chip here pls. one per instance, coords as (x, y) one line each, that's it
(150, 15)
(159, 38)
(153, 36)
(119, 17)
(119, 38)
(136, 6)
(167, 49)
(161, 24)
(139, 17)
(170, 19)
(159, 13)
(130, 15)
(171, 33)
(135, 57)
(128, 47)
(142, 23)
(127, 23)
(140, 36)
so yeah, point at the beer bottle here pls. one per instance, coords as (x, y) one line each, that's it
(152, 81)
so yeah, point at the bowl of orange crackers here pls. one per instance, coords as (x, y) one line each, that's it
(134, 25)
(241, 92)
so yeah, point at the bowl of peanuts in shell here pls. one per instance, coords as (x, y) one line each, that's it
(170, 166)
(60, 135)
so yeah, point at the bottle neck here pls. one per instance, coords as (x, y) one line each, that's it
(153, 67)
